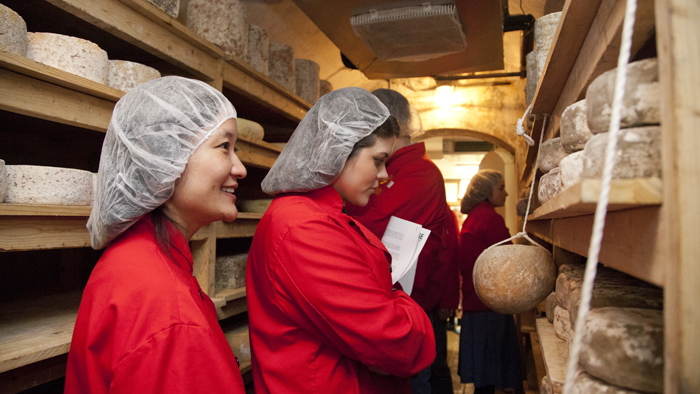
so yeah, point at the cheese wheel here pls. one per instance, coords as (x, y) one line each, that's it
(13, 32)
(561, 323)
(222, 22)
(324, 87)
(258, 48)
(230, 271)
(550, 186)
(250, 130)
(545, 29)
(521, 206)
(255, 206)
(535, 62)
(586, 384)
(70, 54)
(307, 80)
(125, 75)
(640, 105)
(574, 129)
(638, 154)
(571, 170)
(551, 304)
(48, 186)
(3, 180)
(625, 347)
(170, 7)
(281, 65)
(511, 279)
(550, 154)
(621, 297)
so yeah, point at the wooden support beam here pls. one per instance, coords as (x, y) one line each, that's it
(18, 233)
(204, 263)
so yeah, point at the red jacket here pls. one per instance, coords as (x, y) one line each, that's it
(482, 228)
(321, 307)
(415, 191)
(144, 325)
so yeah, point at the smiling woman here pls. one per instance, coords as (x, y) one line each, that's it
(168, 167)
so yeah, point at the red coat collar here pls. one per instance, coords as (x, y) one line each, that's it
(179, 247)
(407, 154)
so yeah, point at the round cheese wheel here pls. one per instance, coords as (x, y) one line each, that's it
(638, 154)
(3, 180)
(249, 130)
(170, 7)
(281, 65)
(307, 80)
(550, 155)
(535, 64)
(124, 75)
(48, 186)
(13, 32)
(545, 29)
(230, 271)
(571, 170)
(574, 127)
(258, 48)
(70, 54)
(324, 87)
(222, 22)
(550, 186)
(512, 279)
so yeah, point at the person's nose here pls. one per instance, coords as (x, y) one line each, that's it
(382, 174)
(238, 170)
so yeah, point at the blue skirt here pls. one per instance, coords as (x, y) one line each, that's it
(488, 351)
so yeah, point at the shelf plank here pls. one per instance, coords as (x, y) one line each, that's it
(7, 209)
(232, 308)
(21, 233)
(229, 294)
(244, 80)
(43, 72)
(240, 228)
(257, 154)
(631, 243)
(582, 198)
(555, 353)
(36, 329)
(32, 97)
(174, 26)
(122, 21)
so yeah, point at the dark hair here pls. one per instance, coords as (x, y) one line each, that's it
(390, 128)
(160, 221)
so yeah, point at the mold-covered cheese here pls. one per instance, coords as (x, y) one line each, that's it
(281, 65)
(230, 271)
(574, 129)
(258, 48)
(13, 32)
(70, 54)
(638, 154)
(307, 79)
(125, 75)
(222, 22)
(48, 185)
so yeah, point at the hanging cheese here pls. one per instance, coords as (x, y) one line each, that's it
(13, 32)
(307, 80)
(625, 347)
(512, 279)
(550, 154)
(70, 54)
(586, 384)
(571, 170)
(550, 185)
(3, 180)
(230, 271)
(281, 65)
(125, 75)
(255, 206)
(250, 130)
(545, 29)
(48, 186)
(258, 48)
(324, 87)
(574, 129)
(640, 105)
(561, 323)
(170, 7)
(551, 305)
(222, 22)
(638, 154)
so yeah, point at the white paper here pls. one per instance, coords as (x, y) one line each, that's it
(404, 240)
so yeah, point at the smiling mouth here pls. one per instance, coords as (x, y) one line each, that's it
(229, 190)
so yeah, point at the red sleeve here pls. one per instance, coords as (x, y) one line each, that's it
(335, 294)
(180, 359)
(449, 262)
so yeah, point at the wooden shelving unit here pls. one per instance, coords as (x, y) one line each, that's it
(37, 331)
(555, 354)
(651, 223)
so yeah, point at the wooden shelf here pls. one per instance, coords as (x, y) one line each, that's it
(229, 294)
(555, 353)
(581, 199)
(631, 243)
(32, 330)
(586, 44)
(7, 209)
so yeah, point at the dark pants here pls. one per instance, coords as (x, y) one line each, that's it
(436, 379)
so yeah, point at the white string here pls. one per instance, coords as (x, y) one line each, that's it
(602, 206)
(520, 130)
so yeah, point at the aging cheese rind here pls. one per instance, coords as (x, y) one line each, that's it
(587, 384)
(550, 155)
(281, 65)
(70, 54)
(125, 75)
(222, 22)
(13, 32)
(545, 29)
(249, 130)
(549, 186)
(307, 79)
(230, 271)
(571, 170)
(258, 48)
(574, 129)
(48, 185)
(637, 155)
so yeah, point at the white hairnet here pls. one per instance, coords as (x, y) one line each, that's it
(154, 130)
(320, 145)
(403, 111)
(480, 188)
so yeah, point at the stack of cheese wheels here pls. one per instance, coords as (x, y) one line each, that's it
(40, 185)
(230, 271)
(258, 48)
(550, 154)
(281, 65)
(222, 22)
(3, 180)
(125, 75)
(512, 279)
(71, 54)
(249, 130)
(545, 28)
(307, 79)
(13, 32)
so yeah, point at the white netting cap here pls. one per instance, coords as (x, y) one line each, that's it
(154, 130)
(402, 110)
(480, 189)
(320, 145)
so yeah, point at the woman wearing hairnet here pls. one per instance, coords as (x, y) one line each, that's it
(323, 315)
(168, 167)
(489, 355)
